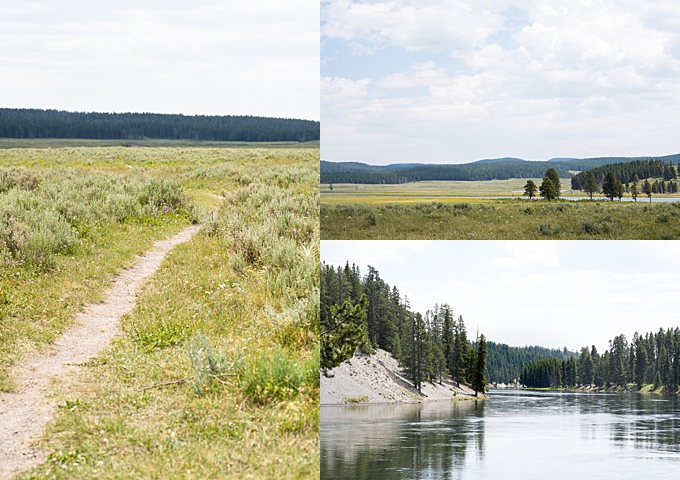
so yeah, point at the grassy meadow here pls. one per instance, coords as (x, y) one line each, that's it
(216, 374)
(468, 210)
(502, 220)
(442, 191)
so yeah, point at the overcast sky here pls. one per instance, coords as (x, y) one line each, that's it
(258, 57)
(451, 81)
(548, 293)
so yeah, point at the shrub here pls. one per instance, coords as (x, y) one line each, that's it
(371, 219)
(547, 230)
(592, 228)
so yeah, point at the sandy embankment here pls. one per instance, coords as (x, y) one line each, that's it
(377, 379)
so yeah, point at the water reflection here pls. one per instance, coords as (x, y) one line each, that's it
(500, 437)
(400, 441)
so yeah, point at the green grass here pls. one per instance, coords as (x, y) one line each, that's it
(421, 191)
(216, 374)
(146, 142)
(502, 220)
(440, 191)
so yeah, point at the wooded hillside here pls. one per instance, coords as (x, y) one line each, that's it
(442, 338)
(492, 169)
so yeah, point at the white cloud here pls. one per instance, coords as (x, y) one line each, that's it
(207, 56)
(341, 92)
(412, 25)
(579, 78)
(553, 294)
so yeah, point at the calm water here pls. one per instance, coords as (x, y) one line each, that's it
(515, 434)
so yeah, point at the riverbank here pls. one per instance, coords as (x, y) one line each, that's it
(630, 388)
(377, 378)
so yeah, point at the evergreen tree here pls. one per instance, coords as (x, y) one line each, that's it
(634, 191)
(610, 186)
(590, 186)
(530, 189)
(647, 189)
(551, 173)
(586, 370)
(478, 378)
(640, 362)
(547, 189)
(346, 333)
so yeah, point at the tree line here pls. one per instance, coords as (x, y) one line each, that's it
(500, 169)
(626, 173)
(504, 364)
(650, 359)
(428, 347)
(35, 123)
(364, 311)
(356, 173)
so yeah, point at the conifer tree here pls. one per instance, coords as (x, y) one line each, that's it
(609, 186)
(478, 378)
(634, 191)
(551, 173)
(547, 189)
(591, 186)
(346, 333)
(647, 189)
(530, 189)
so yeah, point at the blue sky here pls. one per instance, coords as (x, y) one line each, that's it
(549, 293)
(456, 81)
(201, 57)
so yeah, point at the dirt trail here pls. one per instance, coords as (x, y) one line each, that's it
(24, 414)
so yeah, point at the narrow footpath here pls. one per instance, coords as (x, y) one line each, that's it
(25, 413)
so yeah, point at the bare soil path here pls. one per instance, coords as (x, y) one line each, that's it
(25, 413)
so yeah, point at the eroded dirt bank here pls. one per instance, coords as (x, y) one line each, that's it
(378, 379)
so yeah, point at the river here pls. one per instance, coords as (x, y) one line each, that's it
(513, 434)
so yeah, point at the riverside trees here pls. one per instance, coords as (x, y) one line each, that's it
(650, 359)
(427, 346)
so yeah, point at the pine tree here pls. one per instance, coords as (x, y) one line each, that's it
(547, 189)
(530, 189)
(591, 186)
(551, 173)
(647, 189)
(346, 333)
(478, 378)
(634, 191)
(609, 185)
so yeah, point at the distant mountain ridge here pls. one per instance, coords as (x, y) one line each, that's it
(486, 169)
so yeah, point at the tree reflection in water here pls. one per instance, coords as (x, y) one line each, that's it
(431, 440)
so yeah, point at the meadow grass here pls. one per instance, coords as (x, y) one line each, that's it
(216, 374)
(145, 142)
(440, 191)
(502, 220)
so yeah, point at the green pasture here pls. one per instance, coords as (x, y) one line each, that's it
(216, 374)
(501, 219)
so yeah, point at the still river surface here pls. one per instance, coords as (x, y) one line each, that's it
(514, 434)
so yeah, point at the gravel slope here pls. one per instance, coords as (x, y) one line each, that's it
(377, 378)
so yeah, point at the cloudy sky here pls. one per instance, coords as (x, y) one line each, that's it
(548, 293)
(221, 57)
(451, 81)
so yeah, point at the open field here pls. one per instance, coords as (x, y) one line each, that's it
(216, 373)
(145, 142)
(444, 191)
(502, 220)
(440, 191)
